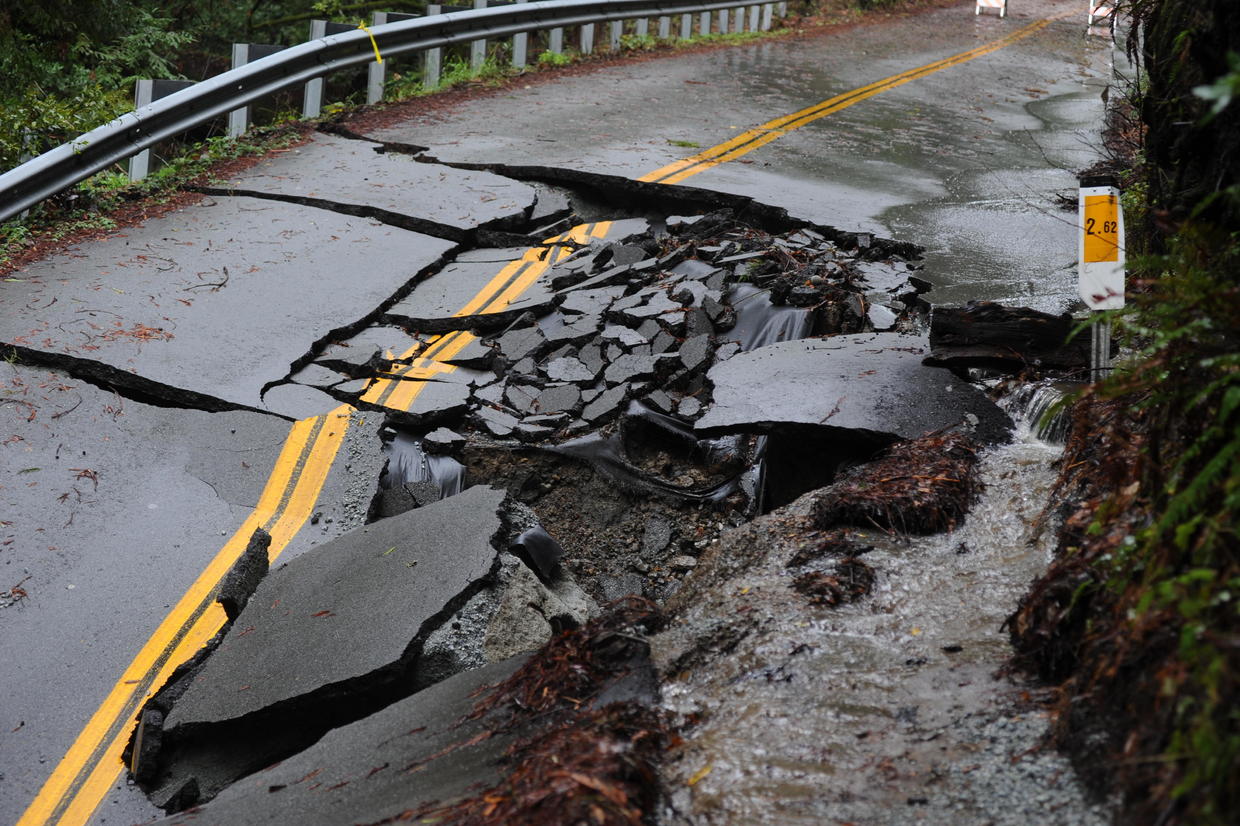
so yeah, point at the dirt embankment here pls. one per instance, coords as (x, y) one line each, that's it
(1135, 621)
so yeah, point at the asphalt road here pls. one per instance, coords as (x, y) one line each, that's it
(117, 501)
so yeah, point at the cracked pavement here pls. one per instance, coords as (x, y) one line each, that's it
(157, 371)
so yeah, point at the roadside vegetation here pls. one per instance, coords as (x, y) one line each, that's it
(1138, 619)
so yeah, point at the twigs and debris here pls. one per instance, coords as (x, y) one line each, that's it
(569, 671)
(849, 581)
(15, 594)
(213, 286)
(573, 763)
(598, 769)
(921, 486)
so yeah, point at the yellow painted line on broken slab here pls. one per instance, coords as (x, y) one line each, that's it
(400, 388)
(93, 763)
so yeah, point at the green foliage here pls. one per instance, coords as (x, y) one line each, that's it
(1183, 571)
(458, 70)
(68, 67)
(550, 58)
(1223, 90)
(638, 43)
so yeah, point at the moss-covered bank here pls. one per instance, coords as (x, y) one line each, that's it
(1138, 620)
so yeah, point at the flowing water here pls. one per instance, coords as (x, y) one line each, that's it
(887, 710)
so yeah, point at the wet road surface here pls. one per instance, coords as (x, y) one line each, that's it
(116, 505)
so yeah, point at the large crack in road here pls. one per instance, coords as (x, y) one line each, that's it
(612, 365)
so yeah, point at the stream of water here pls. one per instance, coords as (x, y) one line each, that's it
(887, 710)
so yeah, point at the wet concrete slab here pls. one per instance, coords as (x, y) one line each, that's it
(349, 175)
(394, 761)
(111, 508)
(874, 384)
(216, 299)
(345, 610)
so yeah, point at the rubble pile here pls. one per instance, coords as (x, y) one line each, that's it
(595, 431)
(642, 318)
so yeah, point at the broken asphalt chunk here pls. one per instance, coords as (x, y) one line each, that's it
(872, 384)
(442, 441)
(606, 404)
(322, 619)
(343, 620)
(498, 423)
(565, 398)
(244, 575)
(570, 369)
(629, 367)
(695, 352)
(515, 345)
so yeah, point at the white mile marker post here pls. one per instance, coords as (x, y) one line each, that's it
(1101, 253)
(1001, 5)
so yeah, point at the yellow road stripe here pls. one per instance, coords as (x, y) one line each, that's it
(760, 136)
(400, 388)
(92, 764)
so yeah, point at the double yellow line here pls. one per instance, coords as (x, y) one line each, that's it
(747, 142)
(398, 389)
(92, 764)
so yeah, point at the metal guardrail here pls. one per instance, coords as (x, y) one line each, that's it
(96, 150)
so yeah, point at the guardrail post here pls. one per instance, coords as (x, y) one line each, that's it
(312, 98)
(643, 27)
(722, 17)
(555, 40)
(704, 24)
(755, 13)
(738, 19)
(587, 38)
(376, 72)
(147, 91)
(243, 53)
(27, 155)
(520, 45)
(616, 29)
(767, 15)
(782, 9)
(432, 62)
(686, 26)
(478, 48)
(665, 27)
(239, 119)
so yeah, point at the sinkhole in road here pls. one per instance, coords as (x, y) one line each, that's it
(583, 406)
(599, 435)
